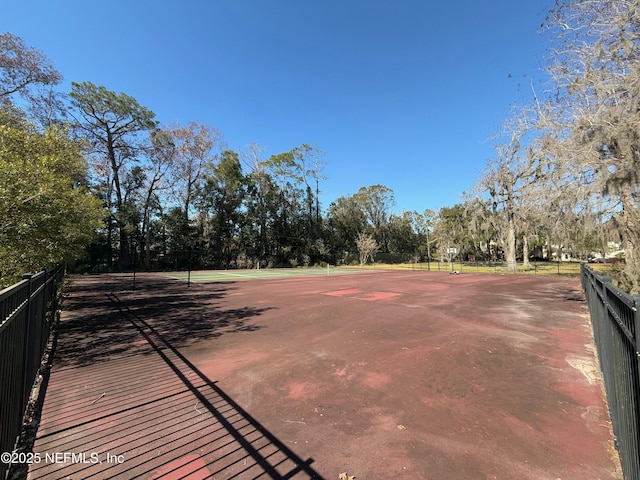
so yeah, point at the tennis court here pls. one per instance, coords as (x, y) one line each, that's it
(263, 273)
(379, 375)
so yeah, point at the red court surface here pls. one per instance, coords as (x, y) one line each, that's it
(380, 375)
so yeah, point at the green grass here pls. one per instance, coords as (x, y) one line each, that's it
(536, 268)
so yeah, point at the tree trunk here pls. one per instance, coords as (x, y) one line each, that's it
(310, 213)
(123, 260)
(125, 253)
(525, 252)
(559, 252)
(510, 247)
(109, 241)
(147, 238)
(317, 203)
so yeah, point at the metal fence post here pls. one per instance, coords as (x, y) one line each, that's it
(24, 332)
(636, 325)
(25, 347)
(616, 324)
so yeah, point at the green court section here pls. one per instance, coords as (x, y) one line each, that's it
(256, 274)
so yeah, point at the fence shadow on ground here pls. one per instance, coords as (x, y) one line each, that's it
(153, 414)
(97, 335)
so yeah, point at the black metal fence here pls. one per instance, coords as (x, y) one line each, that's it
(616, 327)
(27, 312)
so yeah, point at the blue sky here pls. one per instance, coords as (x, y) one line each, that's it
(405, 94)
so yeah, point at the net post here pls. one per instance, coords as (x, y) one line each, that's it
(189, 270)
(134, 267)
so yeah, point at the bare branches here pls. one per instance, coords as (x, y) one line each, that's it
(22, 67)
(597, 111)
(367, 247)
(194, 150)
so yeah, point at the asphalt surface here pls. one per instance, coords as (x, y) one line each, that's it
(382, 375)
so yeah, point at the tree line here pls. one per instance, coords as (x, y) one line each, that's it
(92, 176)
(568, 165)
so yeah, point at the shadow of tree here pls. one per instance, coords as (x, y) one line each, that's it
(569, 293)
(183, 315)
(151, 407)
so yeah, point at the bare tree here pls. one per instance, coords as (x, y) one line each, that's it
(27, 72)
(512, 177)
(311, 164)
(161, 155)
(23, 67)
(194, 152)
(261, 189)
(367, 247)
(483, 225)
(595, 113)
